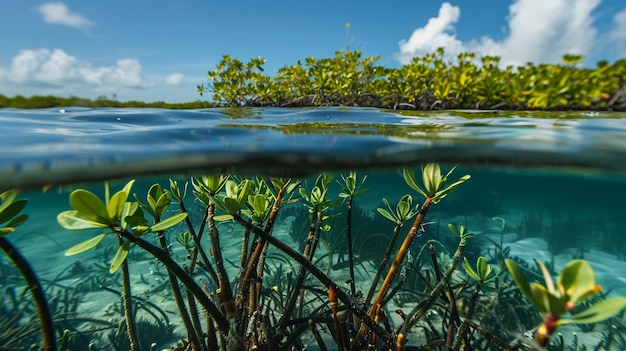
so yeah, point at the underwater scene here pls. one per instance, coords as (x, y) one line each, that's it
(312, 229)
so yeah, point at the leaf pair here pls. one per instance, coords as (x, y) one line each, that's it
(483, 272)
(403, 212)
(351, 187)
(316, 198)
(116, 214)
(9, 212)
(461, 232)
(90, 212)
(434, 183)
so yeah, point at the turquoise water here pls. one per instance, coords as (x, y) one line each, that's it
(547, 187)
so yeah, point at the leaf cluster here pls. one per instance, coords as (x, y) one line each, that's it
(117, 215)
(575, 284)
(431, 81)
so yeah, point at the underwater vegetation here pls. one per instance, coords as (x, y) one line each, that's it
(339, 280)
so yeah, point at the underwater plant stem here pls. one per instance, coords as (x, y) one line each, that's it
(198, 246)
(226, 293)
(546, 329)
(421, 309)
(195, 320)
(317, 336)
(259, 248)
(192, 334)
(349, 243)
(128, 305)
(395, 266)
(184, 278)
(349, 301)
(297, 287)
(383, 262)
(36, 290)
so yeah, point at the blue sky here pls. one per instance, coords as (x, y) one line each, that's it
(160, 50)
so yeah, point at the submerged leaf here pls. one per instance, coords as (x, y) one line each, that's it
(74, 220)
(120, 257)
(169, 222)
(409, 179)
(577, 281)
(11, 210)
(89, 206)
(469, 270)
(520, 280)
(386, 214)
(85, 245)
(597, 312)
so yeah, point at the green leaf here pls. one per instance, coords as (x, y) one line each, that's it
(19, 220)
(597, 312)
(259, 203)
(409, 179)
(89, 206)
(130, 208)
(431, 174)
(74, 220)
(548, 302)
(482, 268)
(231, 205)
(304, 194)
(169, 222)
(116, 204)
(231, 189)
(469, 270)
(6, 198)
(5, 231)
(520, 280)
(120, 256)
(386, 214)
(85, 245)
(163, 203)
(443, 193)
(11, 210)
(361, 192)
(577, 281)
(403, 209)
(222, 218)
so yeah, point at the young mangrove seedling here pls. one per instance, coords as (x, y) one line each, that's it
(575, 284)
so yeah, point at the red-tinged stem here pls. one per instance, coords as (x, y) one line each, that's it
(546, 329)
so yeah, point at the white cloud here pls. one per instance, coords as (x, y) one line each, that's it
(59, 13)
(538, 31)
(435, 34)
(58, 69)
(174, 79)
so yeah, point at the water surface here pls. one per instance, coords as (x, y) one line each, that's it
(78, 144)
(550, 187)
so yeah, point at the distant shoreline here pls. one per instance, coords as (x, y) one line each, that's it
(49, 101)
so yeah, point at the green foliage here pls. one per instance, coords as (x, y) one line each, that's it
(351, 186)
(575, 284)
(403, 212)
(482, 273)
(461, 232)
(116, 214)
(434, 182)
(48, 101)
(9, 212)
(427, 82)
